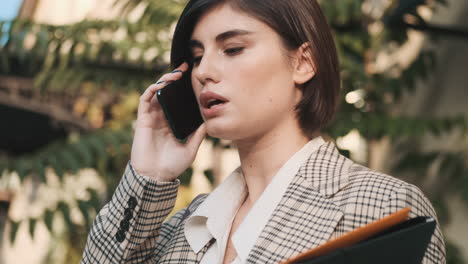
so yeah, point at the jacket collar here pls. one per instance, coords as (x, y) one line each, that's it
(327, 170)
(306, 216)
(210, 219)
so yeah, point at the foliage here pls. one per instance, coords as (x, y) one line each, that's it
(101, 64)
(92, 69)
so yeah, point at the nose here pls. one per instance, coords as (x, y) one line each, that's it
(208, 69)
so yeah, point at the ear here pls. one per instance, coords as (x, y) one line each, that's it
(303, 66)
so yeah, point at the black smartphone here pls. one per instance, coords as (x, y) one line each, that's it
(180, 107)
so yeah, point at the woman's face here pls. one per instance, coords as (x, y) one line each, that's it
(241, 62)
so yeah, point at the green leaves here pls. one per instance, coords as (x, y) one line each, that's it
(87, 151)
(342, 12)
(14, 226)
(454, 254)
(64, 55)
(186, 177)
(451, 169)
(65, 211)
(209, 175)
(375, 126)
(69, 157)
(32, 226)
(87, 208)
(48, 219)
(84, 206)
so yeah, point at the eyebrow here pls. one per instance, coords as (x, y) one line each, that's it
(193, 43)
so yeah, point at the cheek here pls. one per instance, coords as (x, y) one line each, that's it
(263, 82)
(196, 87)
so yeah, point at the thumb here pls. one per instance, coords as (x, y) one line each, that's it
(197, 137)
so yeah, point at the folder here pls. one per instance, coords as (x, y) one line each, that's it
(392, 239)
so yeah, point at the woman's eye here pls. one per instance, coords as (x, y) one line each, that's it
(196, 60)
(230, 52)
(233, 51)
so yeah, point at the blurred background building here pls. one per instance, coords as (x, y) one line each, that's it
(53, 106)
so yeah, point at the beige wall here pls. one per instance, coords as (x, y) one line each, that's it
(448, 95)
(443, 94)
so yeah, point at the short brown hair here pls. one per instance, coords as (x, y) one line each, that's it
(297, 22)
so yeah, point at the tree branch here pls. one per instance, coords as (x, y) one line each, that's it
(10, 94)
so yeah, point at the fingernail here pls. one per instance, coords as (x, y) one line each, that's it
(176, 71)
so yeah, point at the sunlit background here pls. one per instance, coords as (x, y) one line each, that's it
(71, 73)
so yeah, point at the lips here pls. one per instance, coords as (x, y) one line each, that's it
(210, 99)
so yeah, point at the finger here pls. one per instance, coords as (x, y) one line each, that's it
(163, 82)
(183, 67)
(197, 137)
(175, 74)
(151, 91)
(154, 101)
(148, 97)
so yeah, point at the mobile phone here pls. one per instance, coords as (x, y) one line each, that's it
(180, 107)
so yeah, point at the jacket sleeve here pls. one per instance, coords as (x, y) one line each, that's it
(130, 229)
(411, 196)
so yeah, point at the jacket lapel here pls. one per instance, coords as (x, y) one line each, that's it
(305, 216)
(181, 252)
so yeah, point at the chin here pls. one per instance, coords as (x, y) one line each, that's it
(223, 131)
(220, 133)
(231, 132)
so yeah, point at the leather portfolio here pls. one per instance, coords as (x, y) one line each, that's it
(392, 239)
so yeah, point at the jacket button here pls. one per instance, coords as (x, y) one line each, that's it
(132, 202)
(120, 236)
(128, 214)
(124, 225)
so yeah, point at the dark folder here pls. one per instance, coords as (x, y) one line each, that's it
(402, 243)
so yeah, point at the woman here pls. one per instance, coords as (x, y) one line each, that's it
(266, 76)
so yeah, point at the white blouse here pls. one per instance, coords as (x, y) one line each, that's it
(213, 218)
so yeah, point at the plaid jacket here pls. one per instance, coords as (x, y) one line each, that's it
(329, 196)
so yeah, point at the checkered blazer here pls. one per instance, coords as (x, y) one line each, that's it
(329, 196)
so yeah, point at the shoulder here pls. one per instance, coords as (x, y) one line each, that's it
(370, 195)
(384, 194)
(359, 190)
(363, 179)
(334, 175)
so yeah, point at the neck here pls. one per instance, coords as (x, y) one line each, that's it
(262, 157)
